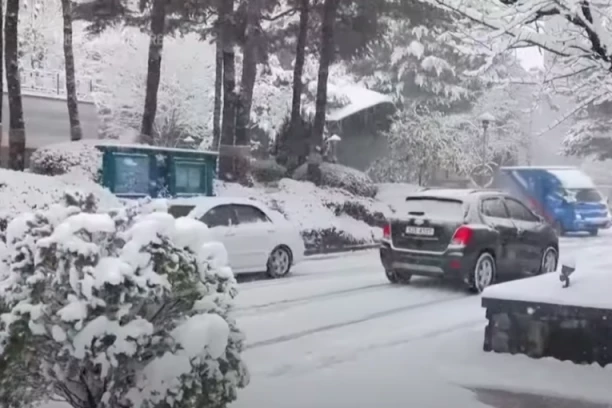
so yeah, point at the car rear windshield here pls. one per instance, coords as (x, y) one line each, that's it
(434, 207)
(585, 195)
(178, 211)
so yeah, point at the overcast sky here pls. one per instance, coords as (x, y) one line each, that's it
(530, 58)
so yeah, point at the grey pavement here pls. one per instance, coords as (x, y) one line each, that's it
(46, 120)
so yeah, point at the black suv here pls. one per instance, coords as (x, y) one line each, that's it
(470, 235)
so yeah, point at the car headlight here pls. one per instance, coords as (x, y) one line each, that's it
(578, 217)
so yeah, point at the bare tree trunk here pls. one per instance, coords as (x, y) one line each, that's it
(156, 45)
(228, 123)
(17, 135)
(71, 93)
(330, 8)
(218, 88)
(249, 72)
(295, 144)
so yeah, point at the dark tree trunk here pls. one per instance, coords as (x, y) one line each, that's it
(327, 55)
(249, 72)
(228, 125)
(156, 45)
(330, 8)
(296, 144)
(218, 88)
(17, 135)
(1, 77)
(228, 122)
(71, 93)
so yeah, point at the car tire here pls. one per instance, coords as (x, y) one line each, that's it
(279, 262)
(593, 232)
(396, 278)
(550, 254)
(483, 273)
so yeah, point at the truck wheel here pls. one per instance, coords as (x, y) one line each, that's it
(593, 232)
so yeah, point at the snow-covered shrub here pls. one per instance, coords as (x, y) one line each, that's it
(67, 157)
(358, 211)
(339, 176)
(266, 171)
(127, 308)
(23, 192)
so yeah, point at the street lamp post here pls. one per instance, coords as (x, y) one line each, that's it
(486, 119)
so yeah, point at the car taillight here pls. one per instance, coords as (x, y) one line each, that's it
(462, 236)
(387, 231)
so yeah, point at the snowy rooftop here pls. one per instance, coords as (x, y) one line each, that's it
(589, 287)
(360, 99)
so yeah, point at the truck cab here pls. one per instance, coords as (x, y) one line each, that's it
(563, 195)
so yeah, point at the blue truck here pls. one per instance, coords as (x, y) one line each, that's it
(564, 196)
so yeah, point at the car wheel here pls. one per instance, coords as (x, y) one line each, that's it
(396, 278)
(548, 263)
(483, 274)
(279, 262)
(593, 232)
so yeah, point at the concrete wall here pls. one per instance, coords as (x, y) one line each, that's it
(46, 120)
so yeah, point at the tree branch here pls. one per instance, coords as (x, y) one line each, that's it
(280, 15)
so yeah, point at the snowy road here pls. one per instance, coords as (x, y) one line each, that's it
(337, 335)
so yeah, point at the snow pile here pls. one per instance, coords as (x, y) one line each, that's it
(125, 308)
(69, 157)
(326, 217)
(21, 191)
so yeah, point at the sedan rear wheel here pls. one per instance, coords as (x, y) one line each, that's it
(483, 274)
(279, 262)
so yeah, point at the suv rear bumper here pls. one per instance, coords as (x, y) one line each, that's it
(452, 263)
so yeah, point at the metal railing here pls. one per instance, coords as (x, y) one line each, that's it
(48, 83)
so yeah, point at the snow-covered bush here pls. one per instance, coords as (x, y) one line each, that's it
(63, 158)
(23, 192)
(127, 308)
(358, 211)
(339, 176)
(266, 171)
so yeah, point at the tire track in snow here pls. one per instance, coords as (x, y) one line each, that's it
(354, 353)
(307, 299)
(383, 313)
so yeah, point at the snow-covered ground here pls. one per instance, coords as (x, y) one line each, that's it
(337, 335)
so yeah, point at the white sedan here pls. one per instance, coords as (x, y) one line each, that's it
(256, 238)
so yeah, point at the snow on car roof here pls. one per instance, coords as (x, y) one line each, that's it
(208, 202)
(458, 193)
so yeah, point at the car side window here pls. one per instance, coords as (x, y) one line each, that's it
(519, 212)
(221, 216)
(247, 214)
(494, 207)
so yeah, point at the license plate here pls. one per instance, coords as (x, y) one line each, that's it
(428, 232)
